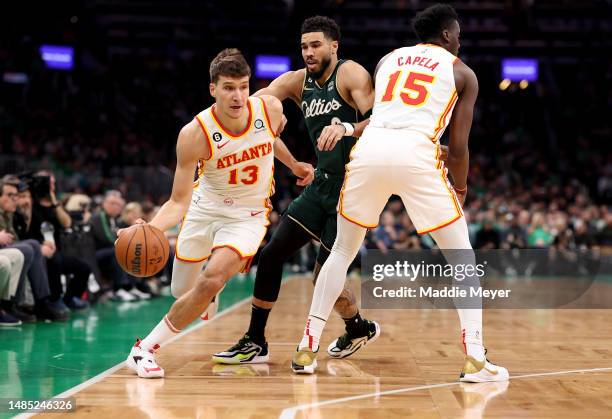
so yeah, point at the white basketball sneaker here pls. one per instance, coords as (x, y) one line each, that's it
(482, 371)
(143, 362)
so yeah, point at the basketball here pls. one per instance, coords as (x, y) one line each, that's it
(142, 250)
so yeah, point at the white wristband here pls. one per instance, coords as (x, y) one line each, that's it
(350, 129)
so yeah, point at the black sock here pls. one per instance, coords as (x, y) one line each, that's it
(355, 326)
(259, 319)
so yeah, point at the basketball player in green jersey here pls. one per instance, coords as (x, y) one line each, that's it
(334, 96)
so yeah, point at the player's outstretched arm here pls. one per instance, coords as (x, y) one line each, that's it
(287, 85)
(304, 171)
(460, 125)
(190, 147)
(355, 85)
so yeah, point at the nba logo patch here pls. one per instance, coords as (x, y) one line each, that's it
(331, 86)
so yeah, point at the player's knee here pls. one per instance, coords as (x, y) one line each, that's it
(212, 282)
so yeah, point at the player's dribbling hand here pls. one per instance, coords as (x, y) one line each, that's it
(330, 135)
(123, 230)
(304, 172)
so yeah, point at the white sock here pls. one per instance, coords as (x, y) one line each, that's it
(159, 335)
(312, 333)
(455, 239)
(330, 282)
(471, 333)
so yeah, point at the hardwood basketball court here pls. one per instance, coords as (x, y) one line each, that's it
(560, 362)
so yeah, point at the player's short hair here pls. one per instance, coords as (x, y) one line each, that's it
(324, 24)
(230, 63)
(428, 24)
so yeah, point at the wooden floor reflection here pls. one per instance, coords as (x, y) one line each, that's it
(411, 371)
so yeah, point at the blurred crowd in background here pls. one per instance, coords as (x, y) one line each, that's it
(88, 151)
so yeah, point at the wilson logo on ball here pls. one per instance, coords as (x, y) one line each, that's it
(142, 250)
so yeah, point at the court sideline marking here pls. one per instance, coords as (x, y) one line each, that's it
(290, 412)
(112, 370)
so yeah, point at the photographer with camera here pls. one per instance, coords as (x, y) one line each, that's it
(34, 260)
(45, 220)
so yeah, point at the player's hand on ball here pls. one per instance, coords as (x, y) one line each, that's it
(123, 230)
(443, 152)
(305, 173)
(330, 135)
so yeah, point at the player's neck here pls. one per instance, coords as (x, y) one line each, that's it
(233, 125)
(328, 71)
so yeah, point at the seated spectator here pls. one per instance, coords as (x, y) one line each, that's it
(538, 233)
(488, 236)
(34, 264)
(104, 226)
(385, 234)
(42, 210)
(11, 265)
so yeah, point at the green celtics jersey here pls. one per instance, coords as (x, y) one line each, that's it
(322, 106)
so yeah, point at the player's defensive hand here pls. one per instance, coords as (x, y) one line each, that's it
(443, 152)
(305, 173)
(330, 135)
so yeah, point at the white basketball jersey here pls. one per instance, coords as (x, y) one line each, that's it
(241, 165)
(415, 90)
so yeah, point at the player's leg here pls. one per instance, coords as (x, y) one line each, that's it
(359, 331)
(364, 195)
(428, 187)
(328, 288)
(224, 264)
(297, 227)
(454, 242)
(288, 238)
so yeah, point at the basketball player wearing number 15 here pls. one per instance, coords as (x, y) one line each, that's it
(225, 214)
(419, 90)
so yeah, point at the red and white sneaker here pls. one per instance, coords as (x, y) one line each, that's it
(143, 362)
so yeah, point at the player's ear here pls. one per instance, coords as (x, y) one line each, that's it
(211, 88)
(446, 35)
(334, 46)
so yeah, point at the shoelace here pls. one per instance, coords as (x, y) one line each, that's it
(242, 342)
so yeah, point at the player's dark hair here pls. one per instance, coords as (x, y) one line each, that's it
(428, 24)
(324, 24)
(230, 63)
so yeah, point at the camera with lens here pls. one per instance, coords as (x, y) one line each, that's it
(39, 185)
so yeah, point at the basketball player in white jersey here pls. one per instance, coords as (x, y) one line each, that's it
(225, 213)
(418, 91)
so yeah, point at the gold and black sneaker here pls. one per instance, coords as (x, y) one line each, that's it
(347, 345)
(482, 371)
(304, 361)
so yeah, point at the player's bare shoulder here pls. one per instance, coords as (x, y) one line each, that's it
(192, 141)
(274, 107)
(352, 74)
(465, 77)
(287, 85)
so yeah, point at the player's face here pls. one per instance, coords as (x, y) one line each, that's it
(231, 95)
(452, 37)
(317, 52)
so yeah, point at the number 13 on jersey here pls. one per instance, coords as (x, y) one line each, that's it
(415, 91)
